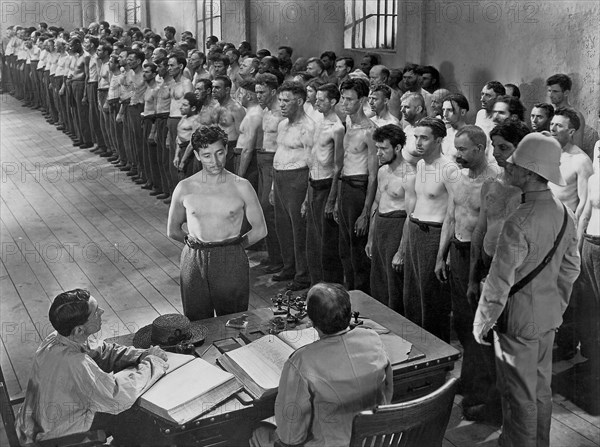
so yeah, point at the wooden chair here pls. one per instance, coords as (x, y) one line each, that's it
(421, 422)
(86, 439)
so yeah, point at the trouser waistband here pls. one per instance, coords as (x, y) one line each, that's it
(425, 225)
(592, 239)
(321, 184)
(197, 244)
(396, 214)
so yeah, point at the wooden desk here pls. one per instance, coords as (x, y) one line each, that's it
(231, 423)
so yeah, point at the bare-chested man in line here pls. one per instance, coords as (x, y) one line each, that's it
(464, 202)
(78, 84)
(379, 98)
(454, 114)
(266, 94)
(498, 200)
(250, 134)
(229, 115)
(576, 168)
(213, 203)
(589, 243)
(388, 215)
(426, 299)
(575, 165)
(178, 87)
(325, 161)
(358, 185)
(295, 138)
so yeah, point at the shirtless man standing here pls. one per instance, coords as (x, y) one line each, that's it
(464, 202)
(178, 87)
(163, 107)
(575, 165)
(454, 114)
(326, 158)
(426, 299)
(213, 203)
(250, 134)
(229, 115)
(358, 185)
(149, 151)
(266, 94)
(498, 200)
(378, 101)
(589, 242)
(388, 215)
(78, 85)
(295, 136)
(576, 168)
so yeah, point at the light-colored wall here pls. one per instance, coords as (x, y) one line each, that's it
(66, 14)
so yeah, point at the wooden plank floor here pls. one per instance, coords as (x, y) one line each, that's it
(69, 219)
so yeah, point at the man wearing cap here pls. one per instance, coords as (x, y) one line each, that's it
(526, 321)
(74, 387)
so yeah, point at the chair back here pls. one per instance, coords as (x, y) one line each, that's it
(419, 422)
(7, 412)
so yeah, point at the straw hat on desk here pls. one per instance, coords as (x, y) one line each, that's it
(169, 330)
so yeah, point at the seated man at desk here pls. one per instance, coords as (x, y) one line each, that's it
(325, 384)
(74, 388)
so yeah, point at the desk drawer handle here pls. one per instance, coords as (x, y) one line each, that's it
(420, 388)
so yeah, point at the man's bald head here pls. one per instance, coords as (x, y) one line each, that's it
(378, 75)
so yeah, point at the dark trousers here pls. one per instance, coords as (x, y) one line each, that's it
(83, 112)
(120, 427)
(478, 373)
(251, 173)
(162, 154)
(116, 130)
(214, 278)
(264, 162)
(27, 83)
(51, 97)
(426, 299)
(150, 155)
(172, 123)
(59, 100)
(94, 115)
(134, 118)
(290, 192)
(387, 283)
(104, 117)
(322, 234)
(123, 130)
(589, 308)
(71, 104)
(357, 266)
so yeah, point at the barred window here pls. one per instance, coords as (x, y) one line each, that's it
(133, 12)
(371, 24)
(208, 15)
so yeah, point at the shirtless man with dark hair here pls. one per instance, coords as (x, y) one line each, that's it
(358, 185)
(426, 299)
(325, 161)
(213, 203)
(229, 114)
(295, 139)
(266, 94)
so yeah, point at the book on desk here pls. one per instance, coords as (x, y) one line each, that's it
(190, 388)
(259, 364)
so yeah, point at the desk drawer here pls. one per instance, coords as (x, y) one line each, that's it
(418, 385)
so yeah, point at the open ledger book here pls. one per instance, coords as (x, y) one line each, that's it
(190, 388)
(259, 364)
